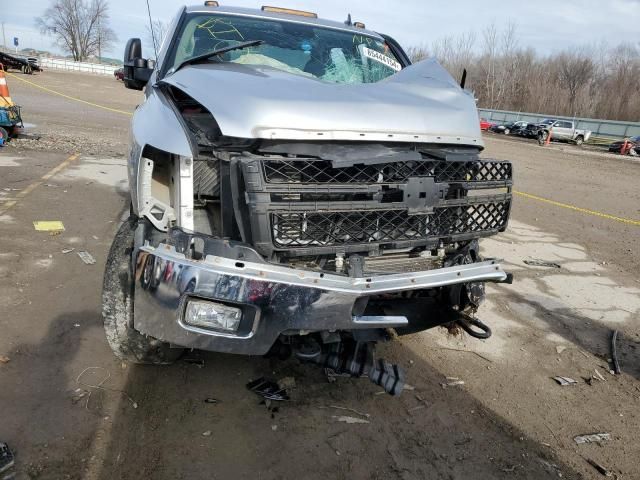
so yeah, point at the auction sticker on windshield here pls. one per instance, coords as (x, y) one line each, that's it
(382, 58)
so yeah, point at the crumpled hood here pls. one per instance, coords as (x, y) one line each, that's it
(421, 103)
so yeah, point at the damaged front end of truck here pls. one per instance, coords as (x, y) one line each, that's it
(274, 212)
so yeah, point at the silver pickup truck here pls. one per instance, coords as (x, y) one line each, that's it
(564, 130)
(297, 186)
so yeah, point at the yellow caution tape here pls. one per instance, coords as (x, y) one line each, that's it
(69, 97)
(628, 221)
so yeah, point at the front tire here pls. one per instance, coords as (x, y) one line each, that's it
(507, 131)
(579, 140)
(117, 307)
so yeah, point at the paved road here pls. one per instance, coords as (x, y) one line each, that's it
(509, 420)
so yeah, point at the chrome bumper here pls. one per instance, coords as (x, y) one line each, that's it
(274, 298)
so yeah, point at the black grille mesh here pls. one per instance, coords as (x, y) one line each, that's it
(322, 171)
(357, 227)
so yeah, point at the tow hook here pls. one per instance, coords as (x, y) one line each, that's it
(355, 359)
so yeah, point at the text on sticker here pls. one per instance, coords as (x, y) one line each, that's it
(382, 58)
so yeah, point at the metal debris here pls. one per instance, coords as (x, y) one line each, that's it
(592, 438)
(349, 420)
(87, 257)
(614, 352)
(268, 389)
(565, 381)
(535, 262)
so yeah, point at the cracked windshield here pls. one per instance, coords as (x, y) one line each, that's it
(330, 55)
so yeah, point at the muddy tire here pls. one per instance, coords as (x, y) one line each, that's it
(579, 140)
(117, 307)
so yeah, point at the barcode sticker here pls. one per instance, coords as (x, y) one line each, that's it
(382, 58)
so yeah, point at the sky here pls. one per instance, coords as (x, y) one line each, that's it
(547, 25)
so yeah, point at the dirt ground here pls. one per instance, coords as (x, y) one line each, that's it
(508, 420)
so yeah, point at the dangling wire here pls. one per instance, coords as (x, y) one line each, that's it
(153, 34)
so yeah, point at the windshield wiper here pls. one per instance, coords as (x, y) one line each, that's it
(219, 51)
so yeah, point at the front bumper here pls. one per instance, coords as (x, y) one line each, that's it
(274, 298)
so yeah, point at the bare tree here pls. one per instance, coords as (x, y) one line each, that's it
(80, 27)
(574, 73)
(156, 33)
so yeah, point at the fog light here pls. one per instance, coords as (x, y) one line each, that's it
(212, 315)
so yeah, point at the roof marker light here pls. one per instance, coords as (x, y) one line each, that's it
(211, 3)
(289, 11)
(359, 25)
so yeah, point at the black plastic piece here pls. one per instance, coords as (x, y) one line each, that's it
(467, 322)
(268, 390)
(355, 358)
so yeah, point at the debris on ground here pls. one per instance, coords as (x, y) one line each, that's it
(100, 386)
(560, 349)
(565, 381)
(415, 409)
(614, 352)
(207, 433)
(6, 457)
(48, 226)
(452, 382)
(332, 375)
(287, 382)
(274, 427)
(592, 438)
(86, 257)
(352, 410)
(79, 394)
(67, 250)
(4, 359)
(349, 420)
(198, 362)
(268, 389)
(599, 468)
(535, 262)
(211, 400)
(598, 376)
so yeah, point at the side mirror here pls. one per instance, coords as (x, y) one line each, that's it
(137, 70)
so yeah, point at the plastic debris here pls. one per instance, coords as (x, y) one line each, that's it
(535, 262)
(87, 257)
(4, 359)
(67, 250)
(207, 433)
(349, 420)
(592, 438)
(268, 389)
(560, 349)
(211, 400)
(6, 457)
(565, 381)
(49, 226)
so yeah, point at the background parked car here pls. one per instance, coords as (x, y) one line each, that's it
(485, 124)
(512, 128)
(617, 146)
(119, 73)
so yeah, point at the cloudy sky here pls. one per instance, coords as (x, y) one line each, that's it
(549, 25)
